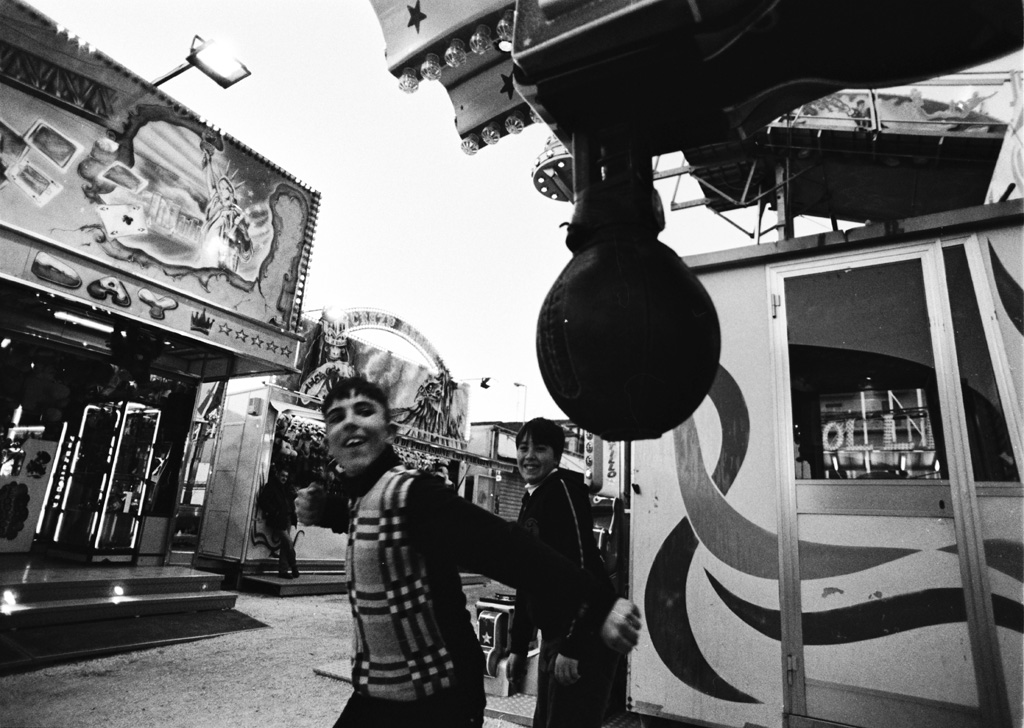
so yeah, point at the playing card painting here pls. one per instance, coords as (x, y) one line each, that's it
(162, 195)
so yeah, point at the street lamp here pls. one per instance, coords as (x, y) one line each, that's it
(526, 390)
(213, 60)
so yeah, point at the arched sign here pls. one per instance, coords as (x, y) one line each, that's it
(425, 401)
(339, 325)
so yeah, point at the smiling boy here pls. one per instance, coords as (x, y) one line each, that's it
(574, 677)
(417, 660)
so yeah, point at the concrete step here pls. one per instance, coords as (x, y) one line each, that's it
(307, 583)
(314, 582)
(125, 582)
(34, 647)
(22, 615)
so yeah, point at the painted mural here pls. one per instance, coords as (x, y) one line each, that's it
(1008, 176)
(132, 202)
(911, 113)
(711, 527)
(425, 400)
(164, 197)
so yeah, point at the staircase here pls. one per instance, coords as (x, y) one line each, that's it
(53, 612)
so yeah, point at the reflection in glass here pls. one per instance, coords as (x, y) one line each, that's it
(862, 375)
(987, 434)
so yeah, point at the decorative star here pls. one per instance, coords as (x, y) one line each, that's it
(485, 638)
(506, 85)
(271, 346)
(241, 335)
(224, 329)
(415, 16)
(257, 341)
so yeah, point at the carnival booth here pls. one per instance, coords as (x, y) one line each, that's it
(835, 536)
(262, 428)
(145, 253)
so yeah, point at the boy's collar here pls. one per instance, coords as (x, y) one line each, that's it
(356, 486)
(531, 488)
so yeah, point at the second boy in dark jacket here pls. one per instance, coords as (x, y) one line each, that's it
(574, 680)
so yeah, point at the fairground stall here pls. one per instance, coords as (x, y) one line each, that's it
(835, 536)
(262, 426)
(145, 252)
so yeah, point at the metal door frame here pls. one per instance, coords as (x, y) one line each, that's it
(990, 683)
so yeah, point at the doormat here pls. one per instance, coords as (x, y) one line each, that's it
(27, 649)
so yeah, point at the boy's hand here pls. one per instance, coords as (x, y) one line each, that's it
(567, 670)
(516, 669)
(309, 505)
(621, 628)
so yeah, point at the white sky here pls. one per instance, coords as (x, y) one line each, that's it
(464, 248)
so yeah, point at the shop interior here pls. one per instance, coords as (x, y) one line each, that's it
(863, 382)
(113, 401)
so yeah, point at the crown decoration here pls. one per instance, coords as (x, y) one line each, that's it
(201, 322)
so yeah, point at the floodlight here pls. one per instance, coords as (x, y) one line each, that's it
(214, 60)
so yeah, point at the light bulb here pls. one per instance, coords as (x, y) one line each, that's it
(514, 123)
(455, 56)
(504, 30)
(431, 67)
(480, 42)
(409, 82)
(471, 144)
(491, 134)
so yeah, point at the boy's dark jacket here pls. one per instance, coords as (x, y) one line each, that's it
(556, 509)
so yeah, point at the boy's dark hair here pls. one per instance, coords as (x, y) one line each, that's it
(543, 432)
(355, 387)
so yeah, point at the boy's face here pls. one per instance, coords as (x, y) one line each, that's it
(535, 461)
(357, 432)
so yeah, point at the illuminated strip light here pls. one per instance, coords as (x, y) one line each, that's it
(142, 494)
(71, 475)
(87, 323)
(108, 477)
(49, 482)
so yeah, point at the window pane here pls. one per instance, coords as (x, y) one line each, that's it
(987, 433)
(862, 375)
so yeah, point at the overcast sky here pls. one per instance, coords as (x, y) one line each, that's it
(464, 248)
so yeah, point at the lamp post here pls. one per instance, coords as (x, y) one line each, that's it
(526, 390)
(213, 60)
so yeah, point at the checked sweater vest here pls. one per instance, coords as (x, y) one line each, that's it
(399, 652)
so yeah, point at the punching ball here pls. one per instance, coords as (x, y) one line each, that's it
(627, 338)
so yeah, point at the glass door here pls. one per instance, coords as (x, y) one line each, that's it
(129, 479)
(883, 630)
(108, 476)
(92, 450)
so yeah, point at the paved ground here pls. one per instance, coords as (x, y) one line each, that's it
(261, 677)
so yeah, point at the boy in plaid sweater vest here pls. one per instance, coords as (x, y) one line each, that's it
(417, 660)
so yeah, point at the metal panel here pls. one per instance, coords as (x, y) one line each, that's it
(703, 530)
(842, 704)
(900, 498)
(1002, 514)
